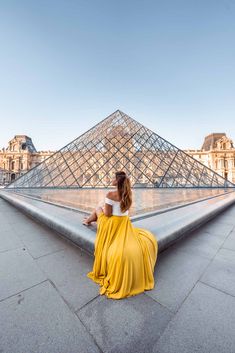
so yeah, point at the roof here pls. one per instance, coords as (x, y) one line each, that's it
(210, 140)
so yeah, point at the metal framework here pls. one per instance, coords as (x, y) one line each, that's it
(120, 143)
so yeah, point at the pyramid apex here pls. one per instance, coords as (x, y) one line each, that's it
(120, 111)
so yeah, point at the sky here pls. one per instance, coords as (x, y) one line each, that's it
(66, 65)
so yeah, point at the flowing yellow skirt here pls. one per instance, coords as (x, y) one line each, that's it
(124, 257)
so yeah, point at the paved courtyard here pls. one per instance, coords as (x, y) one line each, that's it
(48, 305)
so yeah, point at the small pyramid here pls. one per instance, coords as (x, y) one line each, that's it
(120, 143)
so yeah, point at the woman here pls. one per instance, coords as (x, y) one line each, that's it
(124, 256)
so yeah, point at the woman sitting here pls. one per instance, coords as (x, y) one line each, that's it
(125, 256)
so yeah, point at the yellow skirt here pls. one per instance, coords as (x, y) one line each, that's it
(124, 257)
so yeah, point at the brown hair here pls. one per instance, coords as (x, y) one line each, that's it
(124, 190)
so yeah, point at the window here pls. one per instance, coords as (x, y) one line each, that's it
(13, 165)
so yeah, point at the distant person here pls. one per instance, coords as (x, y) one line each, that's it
(124, 256)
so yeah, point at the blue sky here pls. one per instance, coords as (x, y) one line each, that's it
(65, 65)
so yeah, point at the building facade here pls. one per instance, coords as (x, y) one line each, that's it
(18, 157)
(217, 153)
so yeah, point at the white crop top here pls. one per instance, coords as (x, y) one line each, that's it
(116, 207)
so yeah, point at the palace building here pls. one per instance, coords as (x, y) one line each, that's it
(217, 153)
(19, 157)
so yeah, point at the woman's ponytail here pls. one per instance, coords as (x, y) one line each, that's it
(124, 190)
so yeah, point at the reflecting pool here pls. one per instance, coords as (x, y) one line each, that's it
(144, 199)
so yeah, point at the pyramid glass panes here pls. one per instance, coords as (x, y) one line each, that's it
(120, 142)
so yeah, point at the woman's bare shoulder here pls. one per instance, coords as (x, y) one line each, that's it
(112, 195)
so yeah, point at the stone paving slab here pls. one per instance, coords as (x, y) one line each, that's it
(39, 239)
(175, 275)
(131, 325)
(18, 271)
(38, 321)
(68, 270)
(221, 272)
(219, 228)
(205, 323)
(9, 240)
(230, 241)
(192, 244)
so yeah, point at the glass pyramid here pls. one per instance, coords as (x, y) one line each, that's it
(120, 142)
